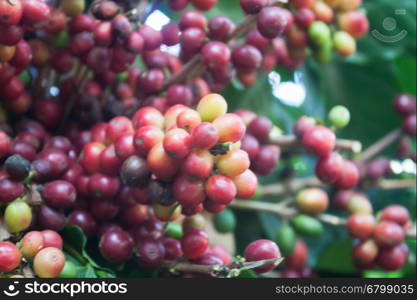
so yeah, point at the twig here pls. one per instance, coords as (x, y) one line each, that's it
(396, 184)
(231, 270)
(380, 145)
(291, 142)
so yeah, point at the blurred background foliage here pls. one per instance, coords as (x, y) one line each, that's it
(366, 83)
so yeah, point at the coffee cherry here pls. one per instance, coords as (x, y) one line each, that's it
(167, 213)
(187, 192)
(220, 189)
(10, 190)
(194, 243)
(410, 126)
(350, 176)
(395, 213)
(298, 258)
(246, 58)
(195, 221)
(50, 218)
(161, 164)
(192, 40)
(246, 184)
(31, 244)
(312, 201)
(52, 239)
(262, 250)
(216, 56)
(10, 12)
(365, 252)
(220, 28)
(272, 22)
(134, 172)
(319, 141)
(211, 107)
(59, 194)
(329, 168)
(9, 257)
(266, 160)
(17, 216)
(198, 164)
(150, 253)
(179, 94)
(204, 136)
(90, 157)
(69, 270)
(405, 105)
(177, 5)
(286, 239)
(378, 168)
(213, 207)
(339, 116)
(145, 138)
(204, 5)
(188, 120)
(361, 226)
(355, 23)
(49, 262)
(172, 248)
(4, 143)
(225, 221)
(307, 226)
(304, 17)
(394, 258)
(116, 246)
(251, 146)
(233, 163)
(103, 187)
(194, 19)
(388, 234)
(358, 203)
(260, 128)
(171, 116)
(253, 6)
(230, 128)
(170, 34)
(84, 220)
(177, 143)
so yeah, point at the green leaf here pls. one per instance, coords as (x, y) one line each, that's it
(337, 258)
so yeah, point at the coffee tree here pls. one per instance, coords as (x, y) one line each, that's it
(190, 138)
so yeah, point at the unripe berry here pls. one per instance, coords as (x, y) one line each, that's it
(17, 216)
(319, 32)
(344, 43)
(225, 221)
(233, 163)
(32, 243)
(339, 116)
(246, 184)
(49, 262)
(230, 127)
(312, 201)
(211, 107)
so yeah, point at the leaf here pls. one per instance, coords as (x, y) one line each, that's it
(248, 274)
(75, 236)
(337, 258)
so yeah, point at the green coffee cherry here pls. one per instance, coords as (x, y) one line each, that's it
(339, 116)
(25, 77)
(174, 230)
(323, 54)
(344, 43)
(307, 226)
(319, 33)
(225, 221)
(17, 216)
(122, 76)
(69, 270)
(61, 40)
(286, 239)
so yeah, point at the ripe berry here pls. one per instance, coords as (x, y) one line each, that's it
(187, 192)
(312, 201)
(198, 164)
(17, 167)
(52, 239)
(216, 55)
(355, 23)
(170, 34)
(148, 116)
(220, 28)
(388, 234)
(319, 141)
(262, 250)
(31, 244)
(361, 226)
(410, 126)
(329, 168)
(116, 246)
(177, 143)
(177, 5)
(10, 12)
(405, 105)
(365, 252)
(204, 136)
(49, 262)
(272, 22)
(59, 194)
(266, 160)
(395, 213)
(246, 184)
(194, 243)
(220, 189)
(179, 94)
(161, 164)
(90, 157)
(213, 207)
(247, 58)
(150, 253)
(151, 37)
(84, 220)
(253, 6)
(50, 219)
(349, 177)
(230, 127)
(134, 172)
(194, 19)
(204, 5)
(192, 40)
(9, 257)
(225, 221)
(172, 248)
(298, 258)
(394, 258)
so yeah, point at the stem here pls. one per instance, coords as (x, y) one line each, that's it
(231, 270)
(74, 253)
(380, 145)
(291, 142)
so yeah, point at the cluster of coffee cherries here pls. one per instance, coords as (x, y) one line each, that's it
(264, 156)
(41, 250)
(405, 106)
(320, 141)
(380, 241)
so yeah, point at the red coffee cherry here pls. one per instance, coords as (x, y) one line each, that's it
(172, 248)
(203, 5)
(405, 105)
(148, 116)
(319, 141)
(10, 12)
(266, 160)
(361, 226)
(393, 258)
(150, 253)
(252, 6)
(116, 246)
(247, 58)
(410, 125)
(161, 164)
(272, 22)
(194, 243)
(188, 192)
(329, 168)
(220, 189)
(198, 164)
(9, 257)
(395, 213)
(246, 184)
(59, 194)
(220, 28)
(230, 128)
(365, 253)
(204, 136)
(262, 250)
(350, 176)
(191, 19)
(389, 234)
(52, 239)
(216, 55)
(298, 258)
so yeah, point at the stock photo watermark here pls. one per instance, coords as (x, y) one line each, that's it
(390, 25)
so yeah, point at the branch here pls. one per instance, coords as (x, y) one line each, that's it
(196, 66)
(291, 142)
(380, 145)
(231, 270)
